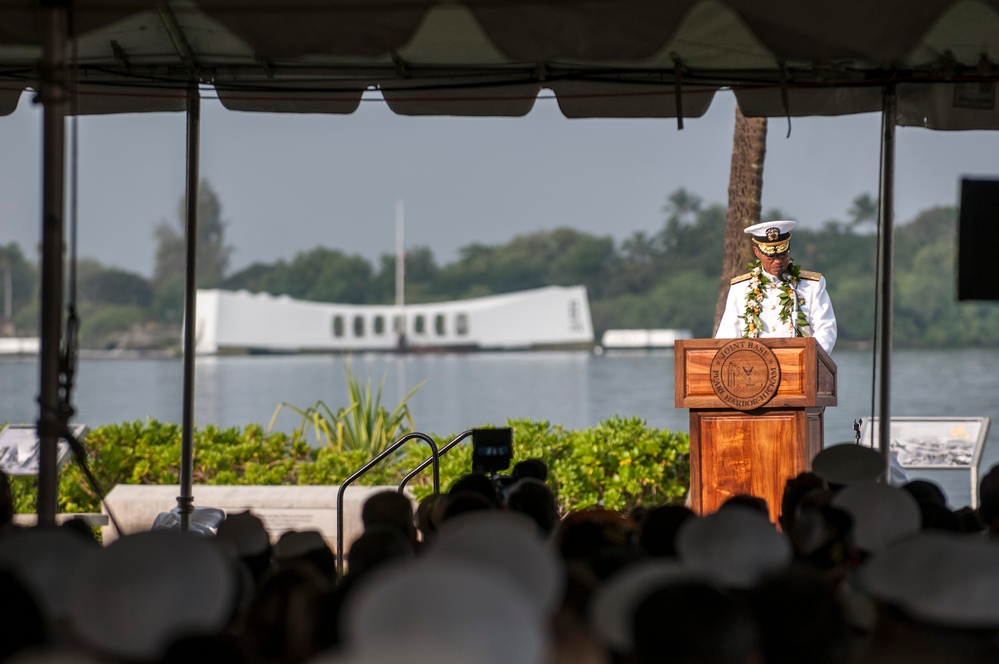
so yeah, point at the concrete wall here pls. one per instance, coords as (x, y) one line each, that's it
(281, 508)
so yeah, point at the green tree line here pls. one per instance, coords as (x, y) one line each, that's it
(666, 279)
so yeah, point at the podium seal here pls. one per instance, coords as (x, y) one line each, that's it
(745, 374)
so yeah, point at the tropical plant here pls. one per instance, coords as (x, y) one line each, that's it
(363, 426)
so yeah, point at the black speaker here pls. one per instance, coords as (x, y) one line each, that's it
(978, 241)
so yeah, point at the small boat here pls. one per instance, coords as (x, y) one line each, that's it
(642, 339)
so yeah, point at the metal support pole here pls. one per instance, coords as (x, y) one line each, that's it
(53, 96)
(886, 251)
(185, 501)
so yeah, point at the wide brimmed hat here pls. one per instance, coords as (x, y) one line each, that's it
(772, 237)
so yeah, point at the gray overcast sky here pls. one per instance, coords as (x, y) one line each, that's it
(290, 182)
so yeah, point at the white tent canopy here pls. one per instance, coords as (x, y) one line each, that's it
(926, 63)
(601, 58)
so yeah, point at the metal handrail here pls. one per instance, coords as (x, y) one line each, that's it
(416, 471)
(435, 458)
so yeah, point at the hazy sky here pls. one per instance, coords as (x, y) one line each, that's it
(290, 182)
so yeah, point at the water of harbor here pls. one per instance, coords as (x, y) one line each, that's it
(575, 389)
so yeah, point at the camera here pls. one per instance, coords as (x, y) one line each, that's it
(492, 450)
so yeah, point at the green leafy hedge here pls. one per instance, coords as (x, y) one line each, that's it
(619, 464)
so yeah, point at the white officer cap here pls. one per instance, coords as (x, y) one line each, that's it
(142, 592)
(468, 606)
(735, 547)
(772, 237)
(510, 544)
(46, 560)
(882, 514)
(613, 606)
(938, 578)
(847, 463)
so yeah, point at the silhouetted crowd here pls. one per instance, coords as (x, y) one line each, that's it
(855, 570)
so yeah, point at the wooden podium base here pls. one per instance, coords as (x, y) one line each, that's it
(752, 453)
(756, 414)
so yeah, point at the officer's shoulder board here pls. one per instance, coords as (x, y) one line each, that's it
(741, 278)
(811, 276)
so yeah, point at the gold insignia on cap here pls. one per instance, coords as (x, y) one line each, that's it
(773, 248)
(773, 233)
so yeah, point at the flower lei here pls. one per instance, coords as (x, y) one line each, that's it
(759, 284)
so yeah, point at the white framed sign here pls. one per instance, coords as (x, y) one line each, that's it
(932, 442)
(20, 448)
(935, 447)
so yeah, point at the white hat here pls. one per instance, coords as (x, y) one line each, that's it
(846, 463)
(144, 591)
(735, 547)
(510, 543)
(772, 237)
(467, 606)
(612, 607)
(882, 514)
(938, 578)
(46, 559)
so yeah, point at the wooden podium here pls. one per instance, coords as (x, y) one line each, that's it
(756, 414)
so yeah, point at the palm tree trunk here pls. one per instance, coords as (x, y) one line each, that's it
(745, 191)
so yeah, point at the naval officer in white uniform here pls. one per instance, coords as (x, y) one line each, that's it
(776, 298)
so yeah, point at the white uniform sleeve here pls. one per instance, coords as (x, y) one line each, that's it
(730, 326)
(822, 318)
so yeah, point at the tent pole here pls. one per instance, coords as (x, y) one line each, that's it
(889, 118)
(54, 102)
(185, 501)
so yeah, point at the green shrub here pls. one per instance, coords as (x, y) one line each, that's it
(619, 464)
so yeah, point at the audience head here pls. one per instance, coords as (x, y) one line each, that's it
(305, 547)
(935, 516)
(659, 528)
(926, 492)
(6, 503)
(24, 622)
(459, 503)
(533, 498)
(988, 500)
(602, 539)
(800, 619)
(795, 489)
(281, 624)
(392, 509)
(822, 535)
(530, 468)
(969, 519)
(243, 535)
(428, 512)
(375, 547)
(612, 607)
(747, 500)
(712, 626)
(477, 483)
